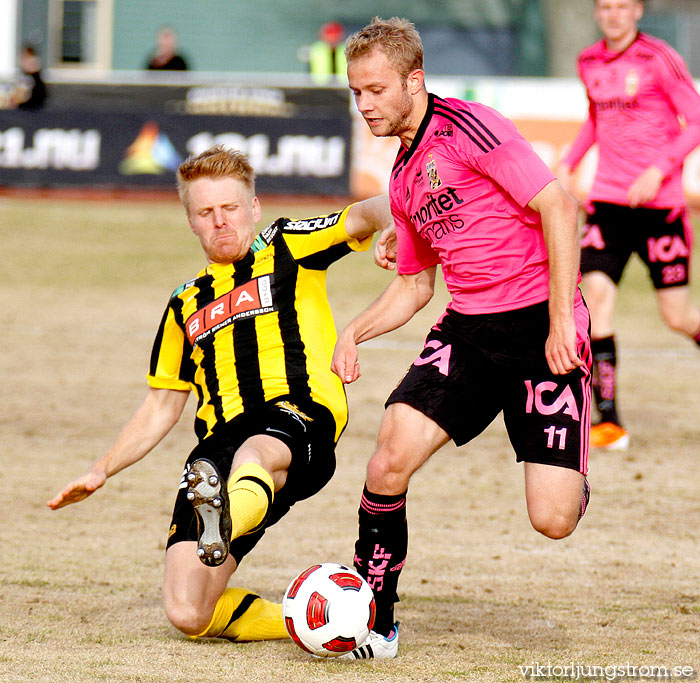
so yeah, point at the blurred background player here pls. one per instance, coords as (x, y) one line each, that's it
(32, 93)
(469, 193)
(166, 56)
(252, 334)
(326, 56)
(644, 114)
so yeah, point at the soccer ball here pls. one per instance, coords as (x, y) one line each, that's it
(328, 609)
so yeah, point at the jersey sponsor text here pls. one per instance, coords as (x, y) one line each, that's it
(249, 299)
(436, 206)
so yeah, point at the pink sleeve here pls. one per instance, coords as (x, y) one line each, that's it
(678, 86)
(517, 168)
(413, 252)
(583, 142)
(586, 135)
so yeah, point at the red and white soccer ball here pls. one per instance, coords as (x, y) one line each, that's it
(328, 609)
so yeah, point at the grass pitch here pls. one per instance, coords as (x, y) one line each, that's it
(483, 596)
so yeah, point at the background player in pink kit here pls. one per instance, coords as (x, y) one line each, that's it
(468, 193)
(644, 114)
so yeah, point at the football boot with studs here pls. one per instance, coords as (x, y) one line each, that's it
(207, 492)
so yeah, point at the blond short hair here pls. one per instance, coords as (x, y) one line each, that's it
(397, 38)
(215, 162)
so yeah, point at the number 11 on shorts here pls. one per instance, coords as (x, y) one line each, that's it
(554, 435)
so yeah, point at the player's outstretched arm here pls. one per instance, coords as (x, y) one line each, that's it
(400, 301)
(584, 140)
(369, 216)
(155, 417)
(677, 85)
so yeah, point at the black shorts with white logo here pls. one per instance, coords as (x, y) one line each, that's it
(661, 237)
(307, 428)
(475, 366)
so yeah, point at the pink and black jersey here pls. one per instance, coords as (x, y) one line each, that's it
(459, 197)
(643, 111)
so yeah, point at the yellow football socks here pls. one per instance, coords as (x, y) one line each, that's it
(250, 492)
(241, 615)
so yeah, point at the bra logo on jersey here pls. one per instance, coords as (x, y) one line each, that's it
(435, 181)
(631, 83)
(249, 299)
(544, 404)
(312, 224)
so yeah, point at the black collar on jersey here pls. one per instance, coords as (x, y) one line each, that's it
(404, 155)
(617, 55)
(463, 119)
(423, 124)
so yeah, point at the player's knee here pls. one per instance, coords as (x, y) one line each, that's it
(554, 525)
(387, 471)
(674, 320)
(679, 316)
(186, 617)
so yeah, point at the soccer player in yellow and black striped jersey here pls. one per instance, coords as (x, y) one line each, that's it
(252, 335)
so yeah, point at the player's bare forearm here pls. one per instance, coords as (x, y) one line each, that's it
(399, 302)
(156, 416)
(368, 216)
(560, 226)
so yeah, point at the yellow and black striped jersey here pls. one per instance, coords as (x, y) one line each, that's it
(244, 333)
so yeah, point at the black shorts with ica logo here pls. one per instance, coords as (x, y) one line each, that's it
(472, 367)
(661, 237)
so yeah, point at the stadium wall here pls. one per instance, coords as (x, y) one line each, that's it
(480, 36)
(301, 140)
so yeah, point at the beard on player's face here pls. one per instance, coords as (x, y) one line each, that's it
(402, 120)
(397, 117)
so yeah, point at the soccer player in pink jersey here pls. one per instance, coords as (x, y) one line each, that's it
(644, 114)
(467, 193)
